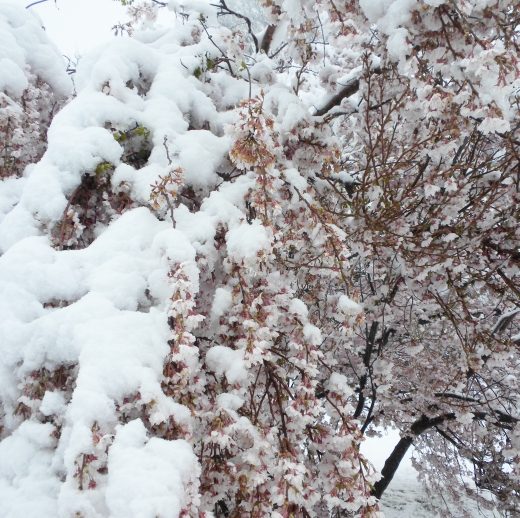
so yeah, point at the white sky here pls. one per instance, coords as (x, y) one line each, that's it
(77, 26)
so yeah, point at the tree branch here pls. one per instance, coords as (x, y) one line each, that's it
(366, 361)
(397, 455)
(38, 2)
(347, 90)
(391, 465)
(268, 38)
(513, 253)
(419, 427)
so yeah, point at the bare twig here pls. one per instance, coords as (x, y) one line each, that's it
(165, 144)
(226, 10)
(38, 2)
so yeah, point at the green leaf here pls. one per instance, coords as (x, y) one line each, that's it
(120, 136)
(142, 131)
(103, 167)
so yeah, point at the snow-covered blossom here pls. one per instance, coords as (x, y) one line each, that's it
(242, 251)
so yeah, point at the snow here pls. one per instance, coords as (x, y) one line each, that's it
(53, 403)
(298, 307)
(23, 41)
(339, 383)
(223, 360)
(312, 334)
(78, 140)
(229, 401)
(120, 352)
(388, 15)
(12, 80)
(222, 302)
(493, 124)
(397, 43)
(146, 475)
(375, 9)
(28, 484)
(246, 241)
(10, 192)
(196, 6)
(200, 155)
(348, 306)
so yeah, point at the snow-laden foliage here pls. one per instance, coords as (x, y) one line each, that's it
(33, 85)
(242, 251)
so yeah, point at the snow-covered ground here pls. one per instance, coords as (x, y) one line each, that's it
(405, 498)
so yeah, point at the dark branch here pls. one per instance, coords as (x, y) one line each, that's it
(456, 396)
(349, 89)
(38, 2)
(371, 336)
(419, 427)
(513, 252)
(397, 455)
(268, 38)
(346, 91)
(391, 465)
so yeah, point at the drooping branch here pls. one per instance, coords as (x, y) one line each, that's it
(391, 465)
(512, 253)
(419, 427)
(508, 282)
(451, 395)
(371, 336)
(397, 455)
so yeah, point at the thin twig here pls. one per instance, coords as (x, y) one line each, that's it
(38, 2)
(65, 215)
(226, 10)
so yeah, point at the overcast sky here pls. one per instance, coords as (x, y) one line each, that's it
(78, 25)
